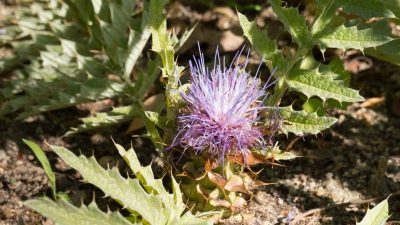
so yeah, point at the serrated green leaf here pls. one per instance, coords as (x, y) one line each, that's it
(157, 119)
(189, 219)
(163, 44)
(277, 154)
(152, 132)
(136, 43)
(326, 15)
(41, 156)
(393, 5)
(294, 23)
(70, 40)
(116, 116)
(146, 78)
(178, 200)
(9, 63)
(259, 40)
(161, 40)
(377, 215)
(337, 67)
(83, 10)
(283, 155)
(351, 37)
(313, 83)
(314, 105)
(143, 174)
(64, 213)
(178, 43)
(146, 177)
(367, 9)
(128, 192)
(145, 195)
(301, 122)
(388, 52)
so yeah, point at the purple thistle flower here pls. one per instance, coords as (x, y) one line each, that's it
(221, 111)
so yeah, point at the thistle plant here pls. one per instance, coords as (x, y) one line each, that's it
(216, 122)
(219, 100)
(221, 113)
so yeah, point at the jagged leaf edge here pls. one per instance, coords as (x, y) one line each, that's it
(116, 116)
(314, 83)
(296, 121)
(377, 215)
(128, 192)
(64, 213)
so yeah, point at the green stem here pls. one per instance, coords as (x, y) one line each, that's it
(279, 90)
(281, 87)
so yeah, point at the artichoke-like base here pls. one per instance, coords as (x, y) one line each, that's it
(209, 186)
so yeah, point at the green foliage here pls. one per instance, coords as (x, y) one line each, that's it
(351, 37)
(73, 47)
(117, 115)
(64, 213)
(388, 52)
(258, 38)
(368, 9)
(301, 122)
(121, 114)
(393, 6)
(79, 51)
(41, 156)
(299, 71)
(293, 22)
(85, 51)
(144, 197)
(323, 85)
(377, 215)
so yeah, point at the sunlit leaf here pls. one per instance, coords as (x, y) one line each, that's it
(377, 215)
(322, 85)
(260, 41)
(351, 37)
(64, 213)
(301, 122)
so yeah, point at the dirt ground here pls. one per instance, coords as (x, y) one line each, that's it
(357, 159)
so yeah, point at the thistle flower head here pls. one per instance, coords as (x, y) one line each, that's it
(222, 108)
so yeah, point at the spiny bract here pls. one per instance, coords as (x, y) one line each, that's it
(222, 107)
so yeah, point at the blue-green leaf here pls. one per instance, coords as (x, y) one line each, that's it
(64, 213)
